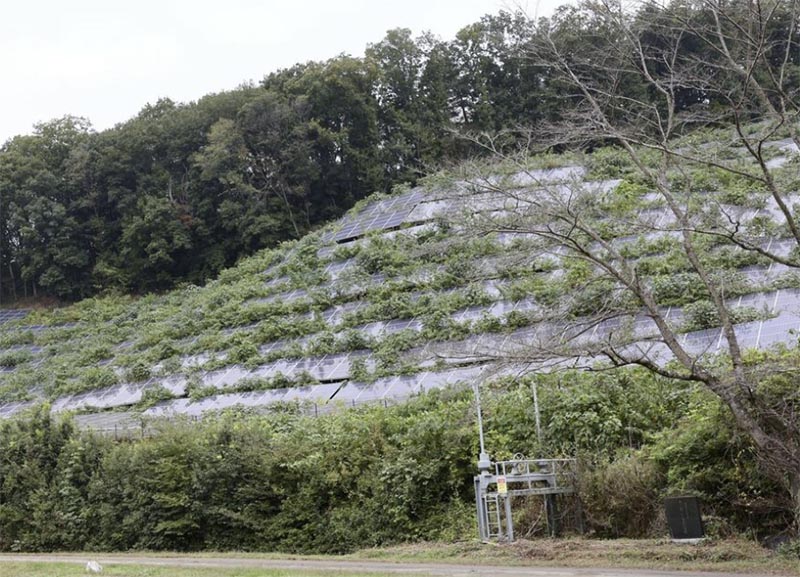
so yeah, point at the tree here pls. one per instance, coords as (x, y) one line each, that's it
(341, 115)
(643, 80)
(153, 240)
(496, 86)
(46, 240)
(399, 61)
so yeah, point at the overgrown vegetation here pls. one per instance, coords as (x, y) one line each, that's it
(373, 475)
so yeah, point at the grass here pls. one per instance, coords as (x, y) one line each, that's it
(733, 555)
(32, 569)
(720, 555)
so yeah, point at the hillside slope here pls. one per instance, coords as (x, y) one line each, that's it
(424, 289)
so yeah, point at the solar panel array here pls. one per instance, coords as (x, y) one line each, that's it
(471, 352)
(435, 364)
(381, 215)
(10, 315)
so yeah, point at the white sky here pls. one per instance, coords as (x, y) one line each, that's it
(105, 59)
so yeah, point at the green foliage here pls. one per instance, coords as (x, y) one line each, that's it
(704, 315)
(704, 454)
(153, 395)
(624, 198)
(621, 496)
(13, 358)
(599, 413)
(358, 370)
(181, 191)
(370, 476)
(138, 371)
(790, 549)
(678, 289)
(98, 377)
(383, 255)
(614, 162)
(542, 289)
(280, 481)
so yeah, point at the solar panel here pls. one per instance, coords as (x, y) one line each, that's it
(257, 399)
(787, 299)
(389, 215)
(427, 210)
(108, 422)
(115, 396)
(701, 342)
(405, 386)
(167, 408)
(759, 301)
(288, 296)
(336, 268)
(127, 394)
(397, 325)
(376, 390)
(333, 368)
(380, 215)
(176, 407)
(548, 175)
(444, 379)
(350, 392)
(778, 330)
(10, 315)
(273, 346)
(747, 334)
(226, 377)
(194, 361)
(12, 408)
(272, 370)
(322, 393)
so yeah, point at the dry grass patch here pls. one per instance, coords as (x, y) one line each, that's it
(722, 555)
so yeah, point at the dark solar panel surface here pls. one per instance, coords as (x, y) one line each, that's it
(381, 215)
(9, 315)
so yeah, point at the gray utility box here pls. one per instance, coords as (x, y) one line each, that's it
(683, 517)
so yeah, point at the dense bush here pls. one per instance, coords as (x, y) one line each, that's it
(279, 481)
(374, 475)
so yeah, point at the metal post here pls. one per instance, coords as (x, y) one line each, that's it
(483, 533)
(483, 458)
(509, 520)
(480, 417)
(579, 515)
(551, 507)
(536, 414)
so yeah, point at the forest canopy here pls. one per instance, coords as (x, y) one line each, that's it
(181, 191)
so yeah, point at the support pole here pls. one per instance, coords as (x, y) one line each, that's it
(483, 458)
(536, 414)
(483, 533)
(509, 520)
(551, 506)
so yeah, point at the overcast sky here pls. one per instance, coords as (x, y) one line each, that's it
(105, 59)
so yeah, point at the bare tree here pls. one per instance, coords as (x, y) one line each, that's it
(642, 76)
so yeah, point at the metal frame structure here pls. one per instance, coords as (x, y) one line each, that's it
(494, 491)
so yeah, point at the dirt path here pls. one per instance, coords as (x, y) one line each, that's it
(424, 569)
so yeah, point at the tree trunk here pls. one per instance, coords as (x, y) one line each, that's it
(13, 282)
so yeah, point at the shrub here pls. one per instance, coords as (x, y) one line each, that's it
(620, 496)
(15, 357)
(153, 395)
